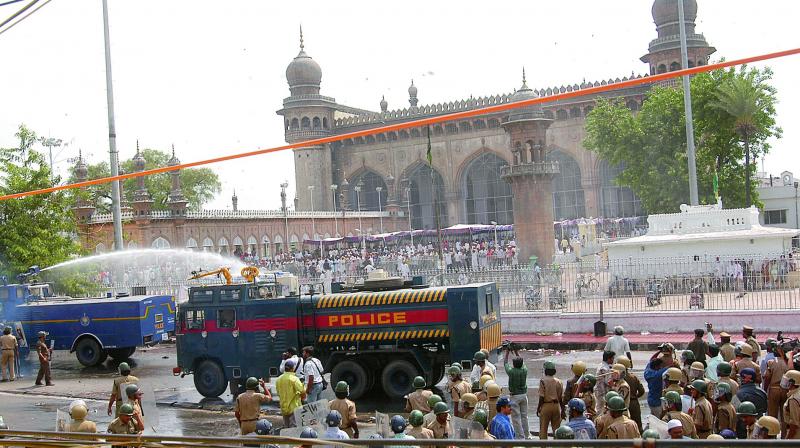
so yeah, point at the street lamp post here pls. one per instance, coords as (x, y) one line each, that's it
(408, 203)
(313, 221)
(495, 234)
(796, 222)
(284, 185)
(50, 142)
(380, 207)
(335, 219)
(357, 189)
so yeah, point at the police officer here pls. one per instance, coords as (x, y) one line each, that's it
(127, 422)
(550, 409)
(468, 403)
(346, 408)
(702, 413)
(687, 358)
(398, 424)
(746, 362)
(483, 418)
(750, 339)
(493, 392)
(8, 344)
(604, 419)
(571, 386)
(418, 400)
(767, 428)
(636, 391)
(457, 387)
(726, 414)
(481, 366)
(750, 391)
(621, 427)
(441, 424)
(616, 382)
(724, 373)
(672, 378)
(333, 421)
(121, 381)
(726, 349)
(45, 354)
(773, 374)
(418, 431)
(134, 395)
(431, 416)
(791, 409)
(564, 433)
(586, 393)
(672, 411)
(248, 405)
(651, 434)
(746, 411)
(78, 412)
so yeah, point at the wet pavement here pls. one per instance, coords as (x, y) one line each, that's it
(179, 410)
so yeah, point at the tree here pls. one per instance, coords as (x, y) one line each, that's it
(742, 97)
(651, 144)
(34, 230)
(199, 185)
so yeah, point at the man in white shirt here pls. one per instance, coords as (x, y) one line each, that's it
(313, 371)
(618, 344)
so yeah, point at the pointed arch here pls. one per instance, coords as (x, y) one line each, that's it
(487, 197)
(160, 243)
(616, 201)
(369, 181)
(422, 183)
(568, 194)
(191, 243)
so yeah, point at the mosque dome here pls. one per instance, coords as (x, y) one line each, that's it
(303, 71)
(666, 11)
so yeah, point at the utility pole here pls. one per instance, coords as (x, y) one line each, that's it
(687, 107)
(50, 142)
(112, 137)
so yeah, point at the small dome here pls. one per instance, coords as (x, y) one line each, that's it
(412, 89)
(173, 160)
(81, 171)
(666, 11)
(138, 160)
(384, 104)
(303, 71)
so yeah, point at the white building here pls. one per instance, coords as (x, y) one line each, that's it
(780, 198)
(687, 242)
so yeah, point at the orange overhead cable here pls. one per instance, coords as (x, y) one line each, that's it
(420, 122)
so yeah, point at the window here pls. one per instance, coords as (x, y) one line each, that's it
(226, 318)
(774, 216)
(159, 318)
(195, 319)
(489, 303)
(229, 294)
(202, 295)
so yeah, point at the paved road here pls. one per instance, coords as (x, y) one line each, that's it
(181, 410)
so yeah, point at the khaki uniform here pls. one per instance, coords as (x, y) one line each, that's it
(689, 429)
(457, 389)
(637, 391)
(751, 341)
(117, 427)
(44, 363)
(137, 409)
(591, 410)
(672, 387)
(703, 417)
(730, 382)
(418, 432)
(82, 426)
(441, 431)
(348, 411)
(623, 428)
(428, 418)
(602, 423)
(115, 389)
(491, 408)
(418, 401)
(624, 390)
(248, 405)
(8, 344)
(745, 363)
(791, 412)
(468, 415)
(569, 390)
(728, 351)
(726, 417)
(551, 390)
(776, 395)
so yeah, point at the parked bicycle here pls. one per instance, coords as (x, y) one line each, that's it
(582, 284)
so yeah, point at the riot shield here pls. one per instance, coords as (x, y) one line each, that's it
(149, 410)
(461, 427)
(311, 414)
(657, 424)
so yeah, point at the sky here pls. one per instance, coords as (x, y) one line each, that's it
(208, 76)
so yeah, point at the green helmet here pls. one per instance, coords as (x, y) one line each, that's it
(687, 356)
(699, 385)
(747, 408)
(617, 404)
(124, 368)
(433, 399)
(441, 408)
(591, 379)
(673, 397)
(723, 390)
(251, 383)
(481, 417)
(724, 369)
(454, 370)
(610, 394)
(419, 382)
(476, 386)
(131, 389)
(342, 387)
(126, 409)
(479, 356)
(564, 432)
(416, 418)
(770, 343)
(651, 434)
(549, 365)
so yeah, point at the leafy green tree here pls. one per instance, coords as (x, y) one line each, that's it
(199, 185)
(34, 230)
(651, 145)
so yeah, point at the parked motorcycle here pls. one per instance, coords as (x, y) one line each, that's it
(654, 292)
(696, 298)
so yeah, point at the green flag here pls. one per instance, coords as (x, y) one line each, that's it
(429, 155)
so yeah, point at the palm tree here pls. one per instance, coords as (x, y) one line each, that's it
(741, 97)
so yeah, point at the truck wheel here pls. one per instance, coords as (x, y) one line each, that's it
(209, 379)
(435, 374)
(89, 352)
(354, 374)
(397, 377)
(121, 354)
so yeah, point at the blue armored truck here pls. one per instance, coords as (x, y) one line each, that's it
(92, 328)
